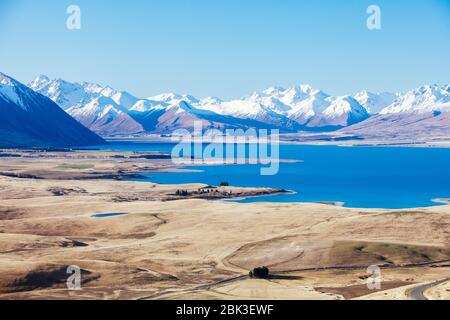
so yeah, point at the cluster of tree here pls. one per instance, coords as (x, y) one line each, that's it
(203, 191)
(213, 191)
(182, 193)
(260, 273)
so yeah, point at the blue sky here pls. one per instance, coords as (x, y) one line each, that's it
(228, 48)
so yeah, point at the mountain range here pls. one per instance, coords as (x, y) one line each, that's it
(419, 114)
(29, 119)
(110, 112)
(42, 112)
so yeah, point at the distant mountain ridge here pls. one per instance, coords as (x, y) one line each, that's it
(417, 114)
(301, 108)
(29, 119)
(297, 108)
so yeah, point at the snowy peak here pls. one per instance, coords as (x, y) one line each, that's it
(148, 106)
(63, 93)
(68, 94)
(300, 107)
(273, 91)
(102, 109)
(297, 94)
(174, 98)
(375, 102)
(104, 116)
(210, 100)
(9, 90)
(121, 98)
(344, 105)
(98, 107)
(18, 94)
(28, 119)
(292, 107)
(340, 112)
(427, 98)
(166, 97)
(39, 81)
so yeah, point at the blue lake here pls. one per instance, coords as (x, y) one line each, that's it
(364, 177)
(108, 215)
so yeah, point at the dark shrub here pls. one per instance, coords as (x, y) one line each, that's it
(260, 273)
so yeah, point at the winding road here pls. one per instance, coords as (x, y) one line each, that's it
(417, 293)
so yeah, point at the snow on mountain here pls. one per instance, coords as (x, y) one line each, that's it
(291, 108)
(287, 109)
(427, 98)
(174, 98)
(310, 108)
(10, 91)
(375, 102)
(122, 98)
(422, 113)
(101, 109)
(63, 93)
(269, 102)
(105, 117)
(67, 94)
(303, 110)
(296, 94)
(341, 112)
(344, 105)
(249, 109)
(148, 105)
(296, 108)
(29, 119)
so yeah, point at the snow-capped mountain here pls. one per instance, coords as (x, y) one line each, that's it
(63, 93)
(299, 108)
(69, 94)
(341, 112)
(427, 98)
(174, 98)
(312, 105)
(422, 112)
(122, 98)
(375, 102)
(296, 108)
(104, 116)
(101, 109)
(247, 109)
(29, 119)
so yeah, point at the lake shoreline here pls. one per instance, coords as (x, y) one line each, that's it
(444, 144)
(194, 248)
(150, 164)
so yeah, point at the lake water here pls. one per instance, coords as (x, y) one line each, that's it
(108, 215)
(361, 177)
